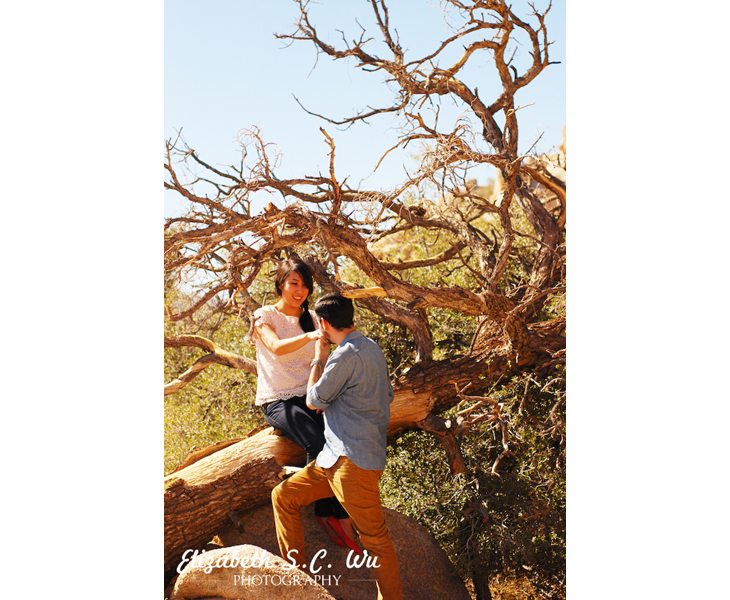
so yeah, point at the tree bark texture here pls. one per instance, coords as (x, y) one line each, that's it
(241, 476)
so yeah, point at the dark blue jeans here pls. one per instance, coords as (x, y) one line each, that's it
(305, 428)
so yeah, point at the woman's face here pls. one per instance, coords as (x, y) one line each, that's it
(293, 290)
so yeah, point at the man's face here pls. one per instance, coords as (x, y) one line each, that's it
(326, 328)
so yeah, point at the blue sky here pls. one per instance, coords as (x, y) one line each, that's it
(226, 72)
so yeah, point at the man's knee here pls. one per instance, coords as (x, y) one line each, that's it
(282, 497)
(276, 496)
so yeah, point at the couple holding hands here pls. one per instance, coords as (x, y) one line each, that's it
(335, 406)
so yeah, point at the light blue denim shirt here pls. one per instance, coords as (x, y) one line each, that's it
(355, 393)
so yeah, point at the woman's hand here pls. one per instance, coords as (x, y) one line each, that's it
(313, 336)
(251, 335)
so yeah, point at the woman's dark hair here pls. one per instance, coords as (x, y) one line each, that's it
(286, 268)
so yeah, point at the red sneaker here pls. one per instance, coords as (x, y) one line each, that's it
(335, 524)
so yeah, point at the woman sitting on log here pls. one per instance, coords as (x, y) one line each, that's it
(285, 335)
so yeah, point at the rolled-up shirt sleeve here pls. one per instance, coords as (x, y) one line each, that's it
(334, 379)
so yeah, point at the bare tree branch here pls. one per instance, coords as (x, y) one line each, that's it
(221, 246)
(217, 356)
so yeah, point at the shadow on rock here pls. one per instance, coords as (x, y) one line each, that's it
(425, 570)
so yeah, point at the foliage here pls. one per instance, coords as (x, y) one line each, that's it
(452, 331)
(507, 526)
(219, 404)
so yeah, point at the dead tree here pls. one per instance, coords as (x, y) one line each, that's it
(226, 245)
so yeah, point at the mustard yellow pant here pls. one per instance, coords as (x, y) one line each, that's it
(357, 490)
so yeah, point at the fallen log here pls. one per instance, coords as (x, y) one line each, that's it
(240, 477)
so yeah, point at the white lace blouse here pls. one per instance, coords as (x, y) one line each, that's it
(285, 376)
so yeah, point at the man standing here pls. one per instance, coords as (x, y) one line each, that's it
(355, 393)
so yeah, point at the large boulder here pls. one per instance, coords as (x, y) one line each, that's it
(244, 572)
(425, 570)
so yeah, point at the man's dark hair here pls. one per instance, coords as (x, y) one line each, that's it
(337, 310)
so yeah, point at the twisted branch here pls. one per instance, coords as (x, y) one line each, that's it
(217, 356)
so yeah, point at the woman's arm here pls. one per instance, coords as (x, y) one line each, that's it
(277, 346)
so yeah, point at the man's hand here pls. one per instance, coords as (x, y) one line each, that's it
(322, 349)
(310, 407)
(321, 352)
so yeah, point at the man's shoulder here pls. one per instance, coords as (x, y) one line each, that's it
(361, 346)
(350, 347)
(357, 341)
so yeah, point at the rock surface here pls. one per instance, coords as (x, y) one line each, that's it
(425, 570)
(244, 572)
